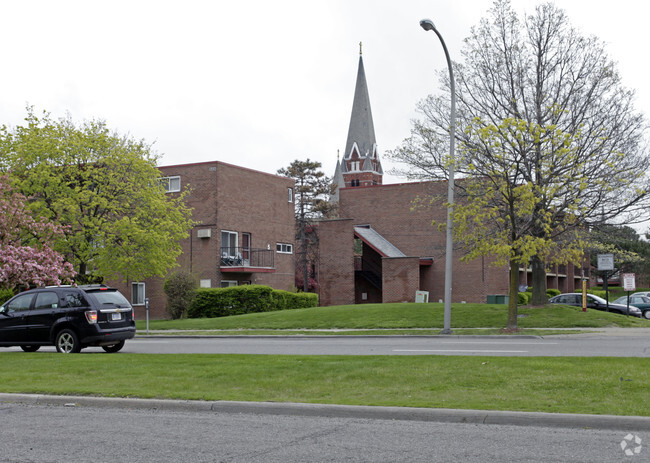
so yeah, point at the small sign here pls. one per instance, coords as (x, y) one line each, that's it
(605, 262)
(628, 282)
(422, 296)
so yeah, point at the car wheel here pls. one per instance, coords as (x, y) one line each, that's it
(646, 314)
(67, 342)
(114, 347)
(30, 348)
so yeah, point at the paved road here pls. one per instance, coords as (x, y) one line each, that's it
(54, 433)
(582, 345)
(613, 343)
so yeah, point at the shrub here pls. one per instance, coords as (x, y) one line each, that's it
(237, 300)
(5, 295)
(180, 289)
(523, 298)
(553, 292)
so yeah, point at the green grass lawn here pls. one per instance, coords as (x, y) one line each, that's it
(597, 385)
(403, 316)
(617, 386)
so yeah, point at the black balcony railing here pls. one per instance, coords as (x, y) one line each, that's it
(247, 257)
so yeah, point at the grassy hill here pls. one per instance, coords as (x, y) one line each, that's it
(403, 316)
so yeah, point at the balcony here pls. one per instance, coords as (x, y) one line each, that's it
(247, 260)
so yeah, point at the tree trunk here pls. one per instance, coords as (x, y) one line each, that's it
(514, 291)
(539, 282)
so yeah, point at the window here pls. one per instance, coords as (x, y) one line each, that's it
(171, 184)
(75, 299)
(228, 244)
(284, 248)
(20, 304)
(228, 283)
(137, 293)
(206, 283)
(290, 192)
(354, 166)
(48, 300)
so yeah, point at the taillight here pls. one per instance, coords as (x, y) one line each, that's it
(132, 314)
(91, 316)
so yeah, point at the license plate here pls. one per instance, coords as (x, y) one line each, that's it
(116, 316)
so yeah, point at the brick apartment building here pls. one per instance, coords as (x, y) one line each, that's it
(398, 251)
(245, 232)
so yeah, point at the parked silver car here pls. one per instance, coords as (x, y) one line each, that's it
(595, 302)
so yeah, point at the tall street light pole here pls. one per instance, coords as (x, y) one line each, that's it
(428, 25)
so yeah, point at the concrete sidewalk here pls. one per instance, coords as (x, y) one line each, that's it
(560, 420)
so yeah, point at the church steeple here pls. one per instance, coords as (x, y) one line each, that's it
(360, 165)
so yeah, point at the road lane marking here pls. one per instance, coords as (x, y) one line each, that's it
(500, 342)
(464, 350)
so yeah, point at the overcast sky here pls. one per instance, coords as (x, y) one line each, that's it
(257, 83)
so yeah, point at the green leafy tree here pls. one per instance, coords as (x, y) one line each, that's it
(104, 188)
(311, 201)
(541, 70)
(497, 213)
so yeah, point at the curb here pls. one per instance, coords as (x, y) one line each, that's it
(331, 336)
(559, 420)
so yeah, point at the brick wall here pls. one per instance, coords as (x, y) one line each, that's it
(227, 197)
(400, 278)
(404, 214)
(336, 262)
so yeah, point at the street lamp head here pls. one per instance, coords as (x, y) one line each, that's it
(427, 25)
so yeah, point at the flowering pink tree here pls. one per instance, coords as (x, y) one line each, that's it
(26, 256)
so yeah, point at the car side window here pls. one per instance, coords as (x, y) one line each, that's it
(75, 299)
(20, 303)
(47, 300)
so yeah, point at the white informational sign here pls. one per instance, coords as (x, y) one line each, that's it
(628, 282)
(422, 296)
(605, 262)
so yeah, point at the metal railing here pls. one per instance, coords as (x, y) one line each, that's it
(247, 257)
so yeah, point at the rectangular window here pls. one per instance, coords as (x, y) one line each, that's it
(137, 293)
(284, 248)
(228, 244)
(206, 283)
(171, 184)
(228, 283)
(290, 191)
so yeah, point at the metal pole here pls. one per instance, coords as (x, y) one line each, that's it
(428, 25)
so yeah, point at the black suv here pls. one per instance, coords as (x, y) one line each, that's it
(69, 318)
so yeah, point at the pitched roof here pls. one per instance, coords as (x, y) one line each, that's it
(380, 244)
(361, 130)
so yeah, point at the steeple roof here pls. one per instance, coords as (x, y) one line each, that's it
(362, 130)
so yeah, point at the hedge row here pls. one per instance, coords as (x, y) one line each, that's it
(524, 298)
(237, 300)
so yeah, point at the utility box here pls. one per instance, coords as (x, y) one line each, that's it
(498, 299)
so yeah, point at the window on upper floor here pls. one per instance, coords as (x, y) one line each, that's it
(290, 194)
(171, 184)
(284, 248)
(229, 244)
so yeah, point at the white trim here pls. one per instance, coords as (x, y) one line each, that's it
(170, 185)
(135, 300)
(284, 248)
